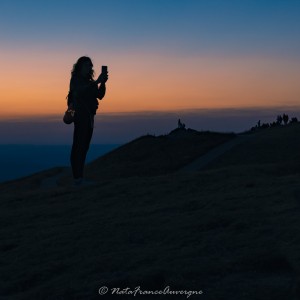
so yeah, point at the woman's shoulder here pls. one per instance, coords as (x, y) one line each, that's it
(75, 78)
(78, 78)
(77, 81)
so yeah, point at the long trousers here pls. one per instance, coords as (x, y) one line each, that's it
(83, 131)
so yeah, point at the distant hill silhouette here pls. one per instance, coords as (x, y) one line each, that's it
(230, 230)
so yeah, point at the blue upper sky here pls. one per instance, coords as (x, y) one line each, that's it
(181, 26)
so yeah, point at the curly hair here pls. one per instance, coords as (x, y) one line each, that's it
(78, 66)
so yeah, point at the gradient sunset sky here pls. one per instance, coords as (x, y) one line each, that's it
(162, 55)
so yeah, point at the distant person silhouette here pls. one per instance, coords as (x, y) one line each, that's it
(180, 125)
(83, 97)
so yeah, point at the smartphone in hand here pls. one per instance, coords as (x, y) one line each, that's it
(104, 70)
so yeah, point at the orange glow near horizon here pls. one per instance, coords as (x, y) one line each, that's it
(37, 83)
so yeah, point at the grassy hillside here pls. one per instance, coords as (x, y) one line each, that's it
(230, 230)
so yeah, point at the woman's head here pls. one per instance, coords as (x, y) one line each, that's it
(83, 67)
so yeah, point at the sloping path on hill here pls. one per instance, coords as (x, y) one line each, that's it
(210, 156)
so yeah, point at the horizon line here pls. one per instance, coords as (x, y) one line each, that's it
(50, 116)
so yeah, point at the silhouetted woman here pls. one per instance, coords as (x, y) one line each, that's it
(83, 97)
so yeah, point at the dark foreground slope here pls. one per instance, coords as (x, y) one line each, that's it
(231, 230)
